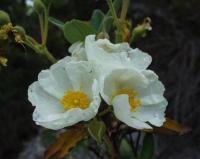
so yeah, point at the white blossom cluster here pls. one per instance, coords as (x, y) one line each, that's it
(73, 88)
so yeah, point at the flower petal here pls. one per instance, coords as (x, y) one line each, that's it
(155, 114)
(78, 50)
(153, 94)
(139, 59)
(123, 113)
(122, 78)
(97, 54)
(81, 75)
(111, 56)
(107, 47)
(56, 80)
(44, 102)
(73, 116)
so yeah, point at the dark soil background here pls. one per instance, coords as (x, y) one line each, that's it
(174, 44)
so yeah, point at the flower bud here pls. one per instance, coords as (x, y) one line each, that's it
(38, 6)
(4, 18)
(141, 29)
(20, 30)
(19, 33)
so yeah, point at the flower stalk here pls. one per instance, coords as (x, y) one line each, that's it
(46, 26)
(124, 9)
(38, 48)
(118, 33)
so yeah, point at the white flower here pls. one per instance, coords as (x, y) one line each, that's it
(77, 50)
(135, 93)
(111, 56)
(65, 94)
(136, 96)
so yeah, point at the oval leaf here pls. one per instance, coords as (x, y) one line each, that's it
(57, 23)
(97, 130)
(148, 147)
(76, 30)
(97, 18)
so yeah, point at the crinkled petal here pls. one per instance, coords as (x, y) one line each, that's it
(81, 75)
(98, 55)
(78, 50)
(45, 103)
(56, 80)
(72, 116)
(112, 56)
(107, 47)
(153, 94)
(120, 79)
(139, 59)
(154, 114)
(123, 113)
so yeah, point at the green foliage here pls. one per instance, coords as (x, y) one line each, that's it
(126, 150)
(38, 6)
(97, 130)
(148, 147)
(57, 23)
(97, 18)
(117, 5)
(107, 23)
(76, 30)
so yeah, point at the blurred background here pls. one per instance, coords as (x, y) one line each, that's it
(174, 44)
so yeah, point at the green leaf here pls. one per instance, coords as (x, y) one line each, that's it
(117, 5)
(148, 147)
(108, 19)
(107, 24)
(126, 150)
(38, 6)
(97, 18)
(57, 23)
(97, 130)
(76, 30)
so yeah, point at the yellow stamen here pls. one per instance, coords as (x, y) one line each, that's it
(7, 27)
(75, 99)
(134, 103)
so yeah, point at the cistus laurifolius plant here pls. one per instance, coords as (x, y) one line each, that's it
(103, 91)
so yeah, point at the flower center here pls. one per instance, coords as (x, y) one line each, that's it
(75, 99)
(134, 103)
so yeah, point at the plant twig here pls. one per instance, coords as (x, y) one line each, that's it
(124, 9)
(112, 9)
(46, 26)
(30, 42)
(107, 110)
(41, 21)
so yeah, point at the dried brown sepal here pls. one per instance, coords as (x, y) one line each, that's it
(65, 142)
(171, 127)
